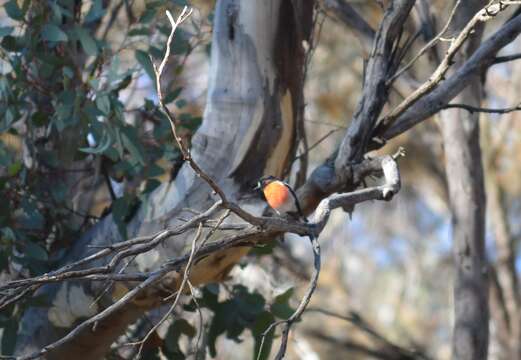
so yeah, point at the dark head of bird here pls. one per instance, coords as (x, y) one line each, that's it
(264, 181)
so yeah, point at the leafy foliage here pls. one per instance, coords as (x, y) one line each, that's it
(243, 310)
(70, 129)
(67, 129)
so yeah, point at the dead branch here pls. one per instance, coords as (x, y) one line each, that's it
(322, 213)
(476, 109)
(427, 46)
(488, 12)
(380, 66)
(270, 227)
(506, 58)
(171, 117)
(433, 102)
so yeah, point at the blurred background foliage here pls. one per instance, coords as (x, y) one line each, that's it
(81, 136)
(80, 132)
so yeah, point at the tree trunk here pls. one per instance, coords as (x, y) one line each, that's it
(254, 103)
(464, 171)
(507, 299)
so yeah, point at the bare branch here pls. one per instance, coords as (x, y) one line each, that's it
(427, 46)
(129, 248)
(431, 103)
(475, 109)
(179, 292)
(269, 227)
(506, 58)
(171, 117)
(485, 14)
(375, 93)
(383, 192)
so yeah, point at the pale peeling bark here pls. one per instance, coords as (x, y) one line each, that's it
(464, 171)
(255, 86)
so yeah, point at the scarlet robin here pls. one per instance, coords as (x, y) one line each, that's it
(280, 196)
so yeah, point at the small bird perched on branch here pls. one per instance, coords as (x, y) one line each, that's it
(280, 197)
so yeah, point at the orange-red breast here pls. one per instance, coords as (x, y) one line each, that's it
(280, 196)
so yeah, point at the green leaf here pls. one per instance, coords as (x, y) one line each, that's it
(12, 43)
(280, 307)
(13, 10)
(144, 60)
(67, 71)
(191, 122)
(171, 96)
(263, 249)
(8, 234)
(51, 32)
(103, 103)
(148, 15)
(5, 30)
(181, 103)
(151, 185)
(122, 210)
(175, 330)
(103, 137)
(31, 217)
(35, 251)
(40, 118)
(123, 84)
(91, 111)
(14, 168)
(179, 44)
(285, 296)
(96, 11)
(67, 97)
(153, 170)
(143, 31)
(261, 324)
(87, 42)
(100, 148)
(9, 336)
(59, 191)
(59, 12)
(130, 142)
(4, 259)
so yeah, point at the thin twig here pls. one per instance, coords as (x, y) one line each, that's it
(475, 109)
(171, 117)
(132, 247)
(427, 46)
(485, 14)
(300, 309)
(270, 226)
(178, 296)
(200, 313)
(328, 134)
(305, 300)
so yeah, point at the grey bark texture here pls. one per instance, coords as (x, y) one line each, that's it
(463, 165)
(248, 130)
